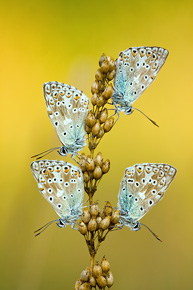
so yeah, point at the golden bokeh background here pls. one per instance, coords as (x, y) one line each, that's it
(62, 40)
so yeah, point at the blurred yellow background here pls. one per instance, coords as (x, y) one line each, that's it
(62, 41)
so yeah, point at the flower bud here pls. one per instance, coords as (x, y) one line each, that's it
(104, 66)
(97, 174)
(95, 87)
(104, 224)
(94, 210)
(115, 217)
(85, 286)
(96, 128)
(90, 119)
(102, 59)
(106, 166)
(107, 94)
(100, 101)
(92, 281)
(98, 159)
(85, 216)
(101, 133)
(97, 270)
(90, 163)
(105, 265)
(112, 65)
(85, 275)
(82, 162)
(98, 220)
(108, 208)
(101, 282)
(86, 176)
(109, 279)
(92, 225)
(108, 124)
(77, 285)
(98, 75)
(103, 115)
(88, 129)
(111, 75)
(94, 99)
(82, 228)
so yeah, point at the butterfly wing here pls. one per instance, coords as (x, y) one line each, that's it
(61, 184)
(137, 68)
(142, 186)
(67, 108)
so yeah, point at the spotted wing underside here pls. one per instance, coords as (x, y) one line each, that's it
(61, 184)
(142, 186)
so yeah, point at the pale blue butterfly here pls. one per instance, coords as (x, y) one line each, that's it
(62, 185)
(136, 69)
(67, 109)
(142, 186)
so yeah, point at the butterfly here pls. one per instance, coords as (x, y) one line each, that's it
(136, 69)
(67, 109)
(62, 185)
(142, 186)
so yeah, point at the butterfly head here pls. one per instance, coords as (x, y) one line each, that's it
(61, 223)
(128, 110)
(63, 151)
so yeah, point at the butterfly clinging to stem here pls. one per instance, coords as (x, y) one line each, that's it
(137, 68)
(67, 109)
(142, 186)
(62, 185)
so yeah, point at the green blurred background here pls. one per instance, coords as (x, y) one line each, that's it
(62, 40)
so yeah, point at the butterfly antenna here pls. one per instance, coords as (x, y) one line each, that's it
(42, 229)
(147, 117)
(151, 232)
(46, 153)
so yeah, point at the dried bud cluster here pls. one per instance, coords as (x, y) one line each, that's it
(97, 122)
(93, 169)
(93, 219)
(100, 276)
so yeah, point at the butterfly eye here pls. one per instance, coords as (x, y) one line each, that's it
(128, 111)
(63, 151)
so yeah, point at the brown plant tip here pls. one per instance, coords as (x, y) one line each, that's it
(94, 210)
(96, 128)
(97, 174)
(84, 277)
(77, 285)
(97, 270)
(92, 281)
(95, 87)
(90, 119)
(85, 216)
(98, 159)
(82, 228)
(85, 286)
(94, 99)
(92, 225)
(104, 224)
(108, 125)
(105, 265)
(86, 177)
(115, 217)
(108, 209)
(106, 166)
(103, 115)
(90, 163)
(107, 94)
(109, 279)
(101, 282)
